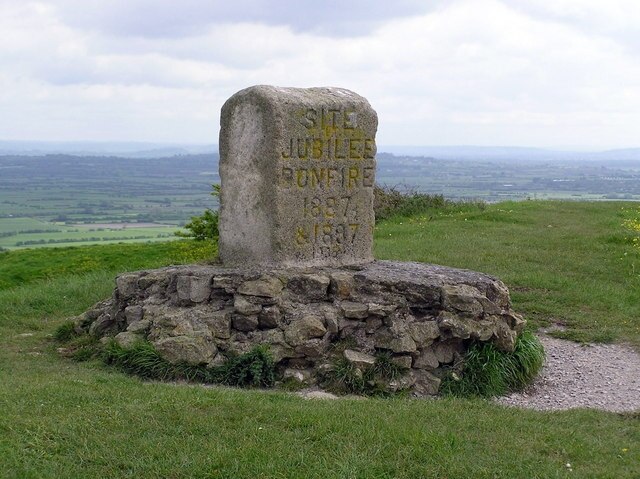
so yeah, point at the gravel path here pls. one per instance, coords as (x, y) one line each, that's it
(600, 376)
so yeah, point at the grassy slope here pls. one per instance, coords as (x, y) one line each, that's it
(564, 262)
(64, 419)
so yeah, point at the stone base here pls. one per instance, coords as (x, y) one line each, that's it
(424, 316)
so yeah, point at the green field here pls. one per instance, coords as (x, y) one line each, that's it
(16, 233)
(564, 262)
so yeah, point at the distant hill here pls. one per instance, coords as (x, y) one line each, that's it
(91, 148)
(495, 153)
(464, 152)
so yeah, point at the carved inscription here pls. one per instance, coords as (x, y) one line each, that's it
(326, 165)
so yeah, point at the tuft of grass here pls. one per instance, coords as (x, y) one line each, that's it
(253, 369)
(344, 377)
(488, 372)
(385, 368)
(65, 332)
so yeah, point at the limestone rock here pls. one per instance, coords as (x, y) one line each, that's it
(331, 320)
(298, 375)
(505, 338)
(402, 383)
(403, 361)
(427, 360)
(423, 333)
(244, 306)
(194, 288)
(219, 323)
(270, 317)
(303, 329)
(314, 287)
(190, 349)
(445, 350)
(105, 323)
(127, 339)
(359, 359)
(244, 323)
(127, 285)
(267, 286)
(342, 284)
(354, 310)
(462, 297)
(381, 310)
(139, 327)
(312, 349)
(133, 313)
(426, 384)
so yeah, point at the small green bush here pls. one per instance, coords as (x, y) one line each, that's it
(488, 372)
(205, 226)
(255, 368)
(390, 201)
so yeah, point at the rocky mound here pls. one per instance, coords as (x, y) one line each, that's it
(421, 316)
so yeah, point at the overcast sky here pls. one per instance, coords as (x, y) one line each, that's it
(546, 73)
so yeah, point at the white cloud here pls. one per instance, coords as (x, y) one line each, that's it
(468, 72)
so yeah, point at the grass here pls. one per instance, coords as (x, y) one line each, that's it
(567, 263)
(489, 372)
(27, 266)
(62, 418)
(252, 369)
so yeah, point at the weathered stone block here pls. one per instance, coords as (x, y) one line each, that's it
(193, 288)
(303, 329)
(267, 286)
(219, 323)
(270, 317)
(402, 361)
(297, 168)
(133, 313)
(423, 333)
(244, 306)
(190, 349)
(354, 310)
(342, 284)
(127, 285)
(359, 359)
(426, 360)
(244, 323)
(313, 287)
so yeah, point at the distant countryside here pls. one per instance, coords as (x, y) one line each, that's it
(66, 200)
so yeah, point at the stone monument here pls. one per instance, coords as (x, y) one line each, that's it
(297, 168)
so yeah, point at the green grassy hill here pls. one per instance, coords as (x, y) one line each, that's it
(567, 263)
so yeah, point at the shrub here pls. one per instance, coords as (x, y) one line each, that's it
(205, 226)
(488, 372)
(255, 368)
(389, 201)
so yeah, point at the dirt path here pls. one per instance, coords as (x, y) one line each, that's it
(600, 376)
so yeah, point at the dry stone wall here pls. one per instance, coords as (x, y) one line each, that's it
(424, 316)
